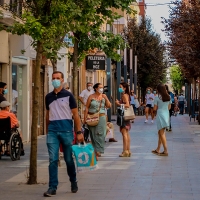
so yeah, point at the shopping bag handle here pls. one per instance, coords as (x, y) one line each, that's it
(84, 144)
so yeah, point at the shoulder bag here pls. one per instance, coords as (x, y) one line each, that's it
(93, 119)
(129, 113)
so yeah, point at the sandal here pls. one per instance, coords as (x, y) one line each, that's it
(155, 152)
(163, 154)
(124, 154)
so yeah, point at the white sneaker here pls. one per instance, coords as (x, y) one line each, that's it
(152, 121)
(146, 121)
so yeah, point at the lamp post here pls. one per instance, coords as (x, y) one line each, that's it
(125, 65)
(108, 72)
(135, 75)
(118, 75)
(131, 69)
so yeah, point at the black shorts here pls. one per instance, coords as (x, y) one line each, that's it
(149, 106)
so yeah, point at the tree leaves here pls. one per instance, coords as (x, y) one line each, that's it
(150, 51)
(183, 31)
(176, 77)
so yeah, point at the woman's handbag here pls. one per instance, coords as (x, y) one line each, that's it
(93, 119)
(129, 113)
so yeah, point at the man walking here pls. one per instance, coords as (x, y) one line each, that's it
(83, 97)
(60, 106)
(181, 102)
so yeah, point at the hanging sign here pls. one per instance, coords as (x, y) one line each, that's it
(95, 62)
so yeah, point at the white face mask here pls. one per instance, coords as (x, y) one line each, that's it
(100, 90)
(89, 88)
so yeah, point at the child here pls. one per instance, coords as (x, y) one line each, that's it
(162, 104)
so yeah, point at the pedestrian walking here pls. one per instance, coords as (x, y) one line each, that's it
(155, 92)
(162, 104)
(149, 99)
(83, 97)
(126, 126)
(171, 110)
(132, 102)
(60, 106)
(181, 102)
(3, 91)
(97, 103)
(176, 109)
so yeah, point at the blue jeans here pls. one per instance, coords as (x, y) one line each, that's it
(54, 139)
(181, 106)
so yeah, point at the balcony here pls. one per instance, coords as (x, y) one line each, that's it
(11, 11)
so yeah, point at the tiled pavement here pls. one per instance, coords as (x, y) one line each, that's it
(144, 176)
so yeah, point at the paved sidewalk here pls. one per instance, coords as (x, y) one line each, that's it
(144, 176)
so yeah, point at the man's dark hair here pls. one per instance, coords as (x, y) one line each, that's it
(58, 72)
(2, 84)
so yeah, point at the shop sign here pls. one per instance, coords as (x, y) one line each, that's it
(95, 62)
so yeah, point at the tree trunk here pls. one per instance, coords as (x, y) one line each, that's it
(75, 69)
(32, 179)
(54, 64)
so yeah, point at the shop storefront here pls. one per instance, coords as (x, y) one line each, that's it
(21, 93)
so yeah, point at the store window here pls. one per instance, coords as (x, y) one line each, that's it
(17, 90)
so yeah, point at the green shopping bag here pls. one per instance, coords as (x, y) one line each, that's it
(84, 157)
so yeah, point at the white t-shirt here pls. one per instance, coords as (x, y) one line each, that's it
(85, 94)
(14, 96)
(148, 100)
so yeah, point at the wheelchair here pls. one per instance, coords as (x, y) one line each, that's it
(10, 139)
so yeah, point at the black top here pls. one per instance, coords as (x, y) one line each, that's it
(2, 98)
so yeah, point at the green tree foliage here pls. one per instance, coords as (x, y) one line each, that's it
(46, 21)
(183, 31)
(177, 78)
(92, 15)
(150, 51)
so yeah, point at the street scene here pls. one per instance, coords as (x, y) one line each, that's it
(99, 99)
(144, 176)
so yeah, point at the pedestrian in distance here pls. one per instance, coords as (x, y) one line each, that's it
(162, 105)
(126, 126)
(60, 106)
(97, 102)
(132, 102)
(181, 102)
(176, 109)
(83, 97)
(171, 110)
(155, 92)
(149, 99)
